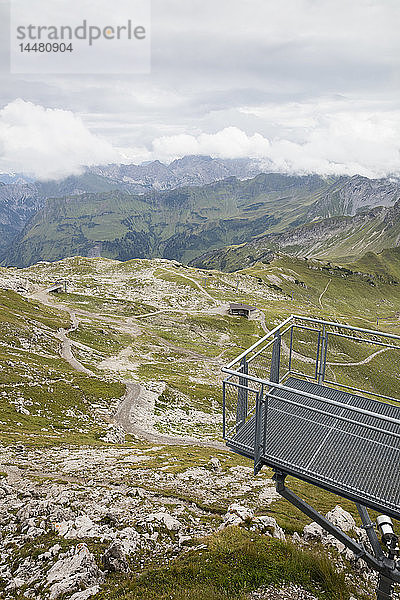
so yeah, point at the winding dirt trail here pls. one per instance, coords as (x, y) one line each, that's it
(66, 352)
(196, 283)
(133, 402)
(62, 334)
(320, 298)
(131, 416)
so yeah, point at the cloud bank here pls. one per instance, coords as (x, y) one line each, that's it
(48, 143)
(331, 137)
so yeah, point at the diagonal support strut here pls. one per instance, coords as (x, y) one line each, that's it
(387, 568)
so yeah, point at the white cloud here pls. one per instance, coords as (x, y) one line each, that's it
(327, 139)
(334, 136)
(48, 143)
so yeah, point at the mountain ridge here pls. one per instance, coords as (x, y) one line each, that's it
(176, 224)
(341, 238)
(99, 214)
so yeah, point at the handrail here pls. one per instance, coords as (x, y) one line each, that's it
(260, 341)
(310, 320)
(279, 386)
(343, 326)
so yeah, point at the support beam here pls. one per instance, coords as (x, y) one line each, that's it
(386, 567)
(384, 589)
(370, 531)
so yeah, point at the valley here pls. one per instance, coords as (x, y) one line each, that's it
(114, 473)
(205, 212)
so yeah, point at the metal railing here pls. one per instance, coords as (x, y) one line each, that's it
(310, 349)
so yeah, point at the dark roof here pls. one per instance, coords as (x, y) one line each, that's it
(240, 306)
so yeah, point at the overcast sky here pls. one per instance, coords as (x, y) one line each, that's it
(311, 85)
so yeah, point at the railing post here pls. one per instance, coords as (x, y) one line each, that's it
(384, 589)
(223, 409)
(241, 410)
(322, 360)
(291, 348)
(276, 358)
(259, 444)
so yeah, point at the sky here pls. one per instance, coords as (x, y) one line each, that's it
(306, 85)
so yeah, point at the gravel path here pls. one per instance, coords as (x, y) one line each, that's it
(132, 416)
(134, 401)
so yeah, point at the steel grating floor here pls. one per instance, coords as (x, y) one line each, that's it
(346, 458)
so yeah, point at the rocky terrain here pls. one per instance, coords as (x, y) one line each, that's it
(114, 481)
(349, 195)
(86, 515)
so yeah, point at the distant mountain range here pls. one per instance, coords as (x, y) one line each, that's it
(21, 197)
(197, 209)
(177, 224)
(187, 171)
(340, 238)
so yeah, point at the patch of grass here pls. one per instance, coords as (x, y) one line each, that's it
(233, 563)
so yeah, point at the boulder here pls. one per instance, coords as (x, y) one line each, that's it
(115, 559)
(85, 593)
(82, 527)
(115, 434)
(268, 526)
(313, 531)
(341, 518)
(237, 515)
(74, 572)
(163, 520)
(215, 464)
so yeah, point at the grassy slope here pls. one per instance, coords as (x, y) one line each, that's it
(340, 238)
(177, 224)
(33, 376)
(286, 286)
(232, 564)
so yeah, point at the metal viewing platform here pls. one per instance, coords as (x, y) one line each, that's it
(316, 399)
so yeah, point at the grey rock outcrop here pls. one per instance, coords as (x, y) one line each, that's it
(74, 572)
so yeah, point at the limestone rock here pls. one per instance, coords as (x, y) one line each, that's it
(268, 525)
(115, 434)
(237, 515)
(71, 573)
(163, 520)
(215, 464)
(85, 593)
(341, 518)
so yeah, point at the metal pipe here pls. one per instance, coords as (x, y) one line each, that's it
(223, 408)
(291, 348)
(358, 339)
(238, 385)
(370, 531)
(266, 346)
(320, 398)
(350, 387)
(351, 327)
(388, 572)
(272, 332)
(384, 589)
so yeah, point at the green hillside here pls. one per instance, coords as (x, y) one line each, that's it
(177, 224)
(341, 238)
